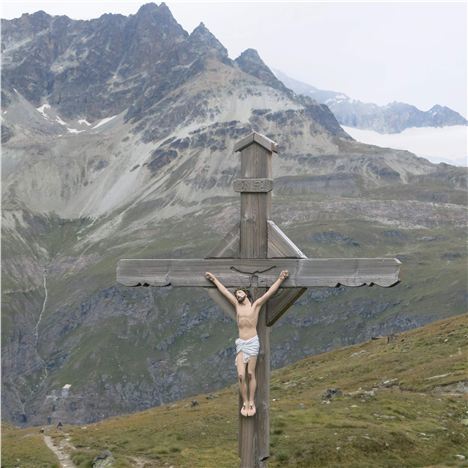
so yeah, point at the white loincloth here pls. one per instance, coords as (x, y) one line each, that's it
(249, 348)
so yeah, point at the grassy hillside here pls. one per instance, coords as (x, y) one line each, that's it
(25, 448)
(403, 402)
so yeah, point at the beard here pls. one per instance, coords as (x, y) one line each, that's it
(241, 300)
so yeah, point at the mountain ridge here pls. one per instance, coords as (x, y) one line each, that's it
(393, 117)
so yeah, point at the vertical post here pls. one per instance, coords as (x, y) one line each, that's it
(256, 152)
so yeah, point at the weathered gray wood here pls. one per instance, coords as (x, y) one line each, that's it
(255, 211)
(253, 185)
(255, 163)
(228, 247)
(279, 245)
(255, 207)
(262, 399)
(261, 272)
(258, 138)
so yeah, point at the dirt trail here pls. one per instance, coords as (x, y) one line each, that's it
(60, 450)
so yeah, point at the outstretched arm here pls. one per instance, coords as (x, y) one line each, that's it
(274, 287)
(222, 289)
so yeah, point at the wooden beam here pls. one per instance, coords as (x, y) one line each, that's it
(280, 245)
(261, 272)
(254, 432)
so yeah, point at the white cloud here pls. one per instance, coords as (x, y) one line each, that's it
(444, 144)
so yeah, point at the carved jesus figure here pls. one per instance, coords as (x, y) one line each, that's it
(247, 345)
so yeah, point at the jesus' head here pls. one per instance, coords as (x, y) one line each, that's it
(242, 294)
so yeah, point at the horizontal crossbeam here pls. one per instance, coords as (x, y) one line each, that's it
(234, 273)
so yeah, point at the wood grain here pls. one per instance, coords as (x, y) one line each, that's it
(261, 272)
(280, 245)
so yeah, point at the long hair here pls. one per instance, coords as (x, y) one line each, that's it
(247, 293)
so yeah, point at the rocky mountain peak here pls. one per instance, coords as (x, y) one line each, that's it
(250, 62)
(252, 55)
(443, 115)
(26, 25)
(36, 16)
(201, 38)
(439, 108)
(157, 19)
(151, 9)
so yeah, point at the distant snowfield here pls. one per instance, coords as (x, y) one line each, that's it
(444, 144)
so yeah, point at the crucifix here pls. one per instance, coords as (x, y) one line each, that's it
(252, 255)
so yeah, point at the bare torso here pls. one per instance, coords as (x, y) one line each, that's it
(247, 318)
(246, 312)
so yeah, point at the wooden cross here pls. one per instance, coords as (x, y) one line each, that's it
(252, 255)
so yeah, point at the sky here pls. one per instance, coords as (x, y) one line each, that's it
(414, 52)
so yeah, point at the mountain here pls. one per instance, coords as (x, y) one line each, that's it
(378, 404)
(391, 118)
(119, 135)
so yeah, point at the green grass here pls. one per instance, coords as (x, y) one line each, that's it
(415, 422)
(25, 448)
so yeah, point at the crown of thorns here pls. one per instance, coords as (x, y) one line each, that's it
(246, 291)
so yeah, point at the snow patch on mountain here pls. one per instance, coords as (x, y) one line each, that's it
(60, 121)
(42, 110)
(104, 121)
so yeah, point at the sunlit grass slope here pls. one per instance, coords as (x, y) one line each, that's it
(25, 448)
(403, 402)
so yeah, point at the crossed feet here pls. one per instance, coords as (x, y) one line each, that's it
(248, 409)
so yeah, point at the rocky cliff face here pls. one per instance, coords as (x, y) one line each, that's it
(391, 118)
(119, 136)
